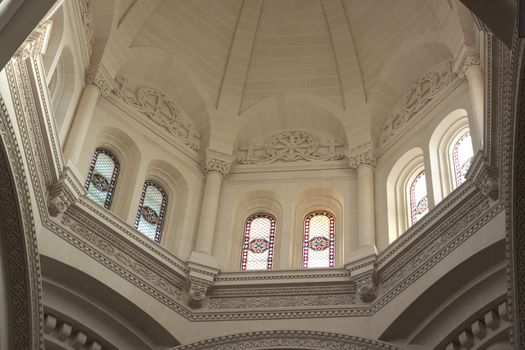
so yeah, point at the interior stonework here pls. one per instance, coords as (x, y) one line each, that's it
(172, 170)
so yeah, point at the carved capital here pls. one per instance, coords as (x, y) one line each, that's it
(36, 42)
(197, 291)
(361, 155)
(468, 57)
(100, 78)
(484, 176)
(64, 193)
(217, 161)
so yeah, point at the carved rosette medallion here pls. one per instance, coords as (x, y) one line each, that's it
(218, 162)
(291, 146)
(361, 155)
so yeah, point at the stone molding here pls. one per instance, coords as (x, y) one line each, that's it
(99, 77)
(484, 176)
(291, 146)
(164, 111)
(86, 15)
(36, 43)
(361, 155)
(218, 162)
(22, 264)
(293, 339)
(64, 193)
(68, 335)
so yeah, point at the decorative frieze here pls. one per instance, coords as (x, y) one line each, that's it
(288, 339)
(361, 155)
(291, 146)
(86, 14)
(217, 161)
(162, 110)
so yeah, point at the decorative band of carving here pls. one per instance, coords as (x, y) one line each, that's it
(361, 155)
(467, 58)
(35, 44)
(296, 339)
(217, 161)
(67, 334)
(99, 77)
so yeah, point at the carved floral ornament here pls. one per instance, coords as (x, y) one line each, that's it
(426, 89)
(217, 161)
(291, 146)
(35, 44)
(161, 109)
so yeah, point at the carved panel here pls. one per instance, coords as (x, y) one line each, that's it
(291, 146)
(161, 109)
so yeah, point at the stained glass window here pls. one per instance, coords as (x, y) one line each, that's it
(319, 240)
(102, 177)
(418, 197)
(152, 207)
(257, 248)
(462, 155)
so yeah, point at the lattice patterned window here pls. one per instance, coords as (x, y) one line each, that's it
(102, 177)
(257, 248)
(319, 240)
(150, 215)
(462, 155)
(418, 197)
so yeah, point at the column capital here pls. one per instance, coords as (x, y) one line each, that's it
(217, 161)
(99, 77)
(36, 42)
(468, 57)
(361, 155)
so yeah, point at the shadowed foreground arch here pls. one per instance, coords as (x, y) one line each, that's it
(293, 339)
(18, 248)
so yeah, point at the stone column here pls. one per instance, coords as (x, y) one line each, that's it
(361, 263)
(363, 161)
(217, 166)
(97, 84)
(468, 66)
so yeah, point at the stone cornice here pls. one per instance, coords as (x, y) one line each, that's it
(36, 43)
(361, 155)
(218, 162)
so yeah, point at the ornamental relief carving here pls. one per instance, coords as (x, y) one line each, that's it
(280, 301)
(291, 146)
(86, 13)
(162, 110)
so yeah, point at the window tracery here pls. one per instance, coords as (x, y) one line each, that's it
(462, 154)
(102, 177)
(258, 242)
(319, 240)
(418, 197)
(152, 207)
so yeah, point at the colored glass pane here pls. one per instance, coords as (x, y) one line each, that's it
(102, 177)
(152, 207)
(462, 154)
(318, 241)
(257, 249)
(418, 197)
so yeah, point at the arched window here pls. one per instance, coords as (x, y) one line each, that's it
(319, 240)
(102, 177)
(152, 206)
(257, 247)
(418, 197)
(462, 154)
